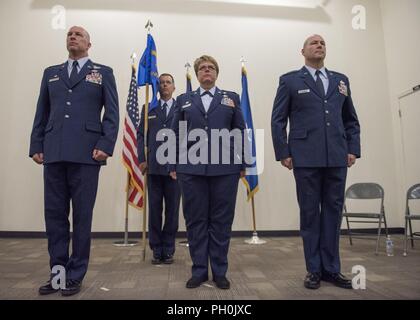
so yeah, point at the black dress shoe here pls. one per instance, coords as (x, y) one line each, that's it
(222, 282)
(194, 282)
(72, 287)
(312, 281)
(157, 260)
(168, 259)
(337, 279)
(47, 289)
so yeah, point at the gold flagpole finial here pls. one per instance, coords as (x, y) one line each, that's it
(188, 66)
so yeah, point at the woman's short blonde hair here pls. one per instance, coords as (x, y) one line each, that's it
(205, 58)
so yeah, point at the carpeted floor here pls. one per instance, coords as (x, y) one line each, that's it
(271, 271)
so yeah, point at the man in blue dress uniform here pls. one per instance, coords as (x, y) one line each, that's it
(208, 170)
(323, 141)
(161, 187)
(72, 142)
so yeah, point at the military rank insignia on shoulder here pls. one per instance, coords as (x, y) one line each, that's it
(94, 77)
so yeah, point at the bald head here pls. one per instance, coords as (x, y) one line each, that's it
(314, 51)
(310, 38)
(78, 42)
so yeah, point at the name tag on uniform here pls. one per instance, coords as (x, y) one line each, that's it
(53, 79)
(186, 106)
(304, 91)
(151, 117)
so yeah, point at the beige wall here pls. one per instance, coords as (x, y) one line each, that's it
(401, 24)
(269, 37)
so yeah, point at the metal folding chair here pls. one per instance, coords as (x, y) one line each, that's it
(412, 194)
(366, 191)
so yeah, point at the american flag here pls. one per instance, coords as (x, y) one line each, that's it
(130, 159)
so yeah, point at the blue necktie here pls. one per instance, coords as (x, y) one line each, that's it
(319, 84)
(165, 110)
(73, 74)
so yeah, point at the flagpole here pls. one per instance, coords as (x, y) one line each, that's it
(254, 220)
(126, 242)
(188, 76)
(145, 209)
(148, 26)
(255, 239)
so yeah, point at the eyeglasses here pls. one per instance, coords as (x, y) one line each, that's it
(205, 67)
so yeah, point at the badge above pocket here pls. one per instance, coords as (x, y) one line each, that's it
(343, 88)
(94, 77)
(226, 101)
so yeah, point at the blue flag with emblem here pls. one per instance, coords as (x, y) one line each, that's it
(251, 179)
(148, 72)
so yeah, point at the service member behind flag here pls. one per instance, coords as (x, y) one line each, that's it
(161, 187)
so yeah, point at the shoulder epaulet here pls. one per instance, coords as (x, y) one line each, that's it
(337, 73)
(56, 66)
(290, 73)
(227, 92)
(98, 67)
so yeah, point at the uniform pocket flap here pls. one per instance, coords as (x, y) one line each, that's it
(298, 134)
(93, 126)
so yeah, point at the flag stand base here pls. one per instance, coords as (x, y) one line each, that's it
(128, 243)
(255, 239)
